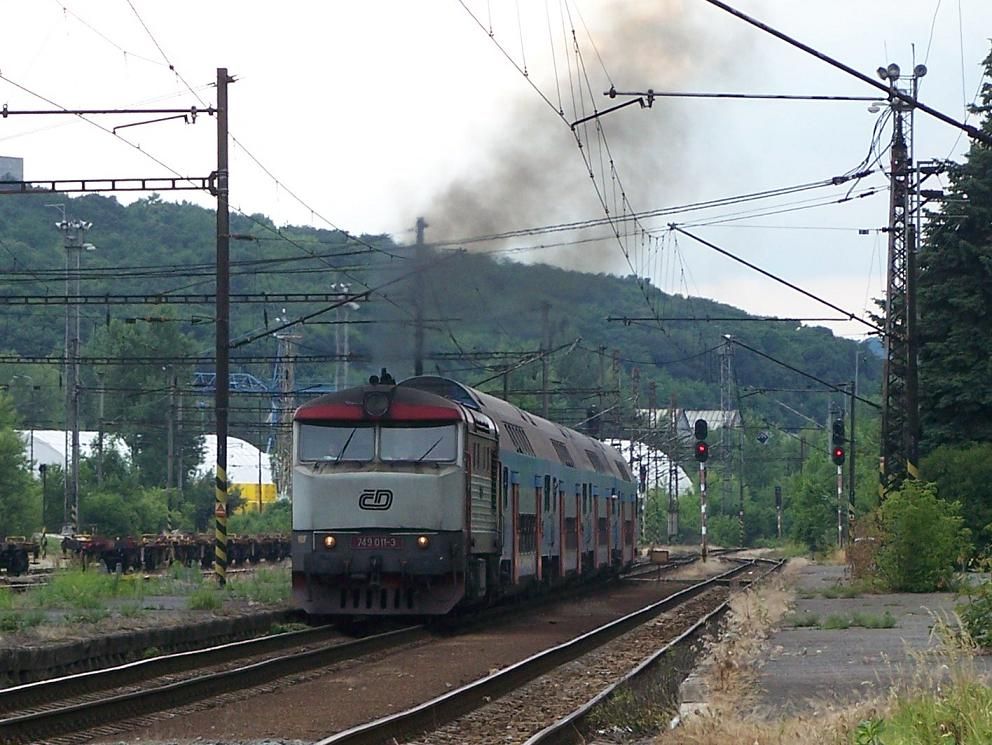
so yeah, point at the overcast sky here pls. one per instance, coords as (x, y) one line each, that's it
(372, 113)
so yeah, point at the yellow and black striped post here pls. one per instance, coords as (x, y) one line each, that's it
(220, 526)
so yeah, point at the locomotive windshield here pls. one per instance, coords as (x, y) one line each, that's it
(429, 444)
(335, 443)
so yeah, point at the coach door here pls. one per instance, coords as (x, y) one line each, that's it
(549, 528)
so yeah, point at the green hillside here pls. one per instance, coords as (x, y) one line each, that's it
(476, 307)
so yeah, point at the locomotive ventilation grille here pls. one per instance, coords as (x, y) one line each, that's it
(381, 598)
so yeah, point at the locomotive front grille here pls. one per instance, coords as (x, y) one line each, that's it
(368, 599)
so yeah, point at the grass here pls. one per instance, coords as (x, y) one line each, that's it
(802, 620)
(82, 590)
(87, 597)
(842, 591)
(836, 621)
(264, 585)
(205, 598)
(13, 621)
(629, 714)
(939, 704)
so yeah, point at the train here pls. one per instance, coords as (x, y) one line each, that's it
(428, 496)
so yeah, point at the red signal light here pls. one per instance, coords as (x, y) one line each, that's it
(702, 451)
(838, 455)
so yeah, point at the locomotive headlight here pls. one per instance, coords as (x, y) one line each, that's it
(423, 541)
(330, 541)
(376, 404)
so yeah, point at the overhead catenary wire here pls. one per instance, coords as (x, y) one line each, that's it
(851, 316)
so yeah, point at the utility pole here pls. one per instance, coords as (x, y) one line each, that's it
(726, 381)
(99, 439)
(673, 470)
(286, 401)
(740, 482)
(170, 436)
(900, 404)
(418, 339)
(851, 450)
(72, 231)
(545, 347)
(222, 379)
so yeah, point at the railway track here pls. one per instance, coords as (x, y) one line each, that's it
(511, 705)
(56, 707)
(59, 707)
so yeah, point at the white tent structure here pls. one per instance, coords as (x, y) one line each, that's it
(656, 465)
(248, 469)
(48, 446)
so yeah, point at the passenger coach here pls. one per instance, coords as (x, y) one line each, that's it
(417, 497)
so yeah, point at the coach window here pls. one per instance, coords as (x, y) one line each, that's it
(547, 493)
(321, 442)
(427, 444)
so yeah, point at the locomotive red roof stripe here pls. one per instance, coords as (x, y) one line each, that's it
(399, 411)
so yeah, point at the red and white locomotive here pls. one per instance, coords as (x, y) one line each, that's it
(414, 498)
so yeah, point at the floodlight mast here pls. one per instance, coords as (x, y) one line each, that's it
(900, 399)
(72, 231)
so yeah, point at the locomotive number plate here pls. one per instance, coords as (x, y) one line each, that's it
(376, 541)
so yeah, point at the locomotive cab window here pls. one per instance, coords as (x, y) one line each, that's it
(427, 444)
(323, 442)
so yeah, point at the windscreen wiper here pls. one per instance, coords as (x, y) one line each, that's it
(346, 444)
(436, 443)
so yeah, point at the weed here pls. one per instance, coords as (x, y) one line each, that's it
(869, 732)
(802, 620)
(205, 598)
(130, 610)
(285, 628)
(12, 621)
(841, 591)
(871, 621)
(836, 622)
(262, 586)
(86, 615)
(628, 713)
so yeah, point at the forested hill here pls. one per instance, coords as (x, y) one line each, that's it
(478, 310)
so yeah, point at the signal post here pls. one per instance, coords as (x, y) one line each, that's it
(702, 452)
(837, 454)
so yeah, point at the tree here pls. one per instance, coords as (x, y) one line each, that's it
(963, 474)
(955, 300)
(20, 497)
(139, 407)
(812, 510)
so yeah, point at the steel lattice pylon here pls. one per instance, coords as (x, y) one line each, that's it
(900, 419)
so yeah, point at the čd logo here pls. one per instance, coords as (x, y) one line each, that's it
(376, 499)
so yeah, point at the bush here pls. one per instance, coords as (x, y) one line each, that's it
(922, 538)
(976, 615)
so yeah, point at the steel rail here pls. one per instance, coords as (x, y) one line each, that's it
(569, 728)
(449, 706)
(39, 725)
(53, 689)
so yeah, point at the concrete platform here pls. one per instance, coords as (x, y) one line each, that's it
(808, 668)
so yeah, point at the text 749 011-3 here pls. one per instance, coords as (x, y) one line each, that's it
(376, 541)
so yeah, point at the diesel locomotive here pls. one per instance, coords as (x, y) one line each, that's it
(419, 497)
